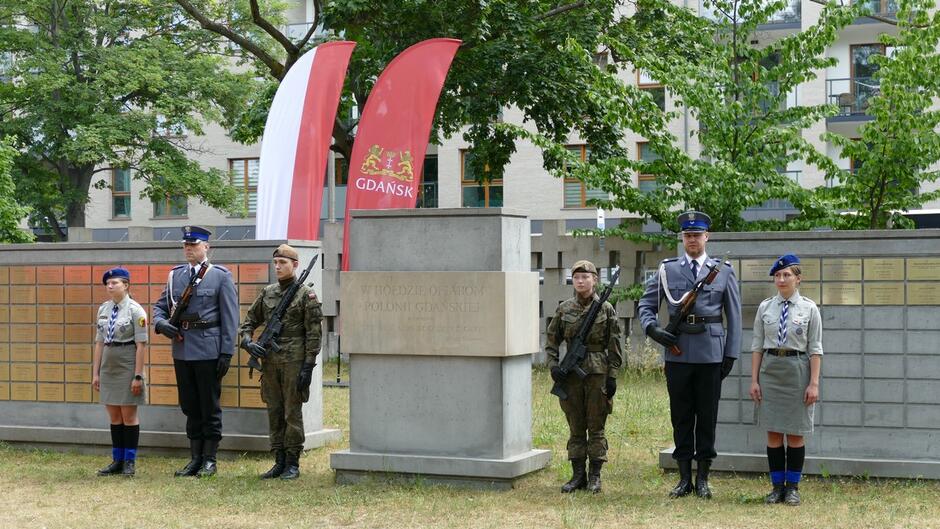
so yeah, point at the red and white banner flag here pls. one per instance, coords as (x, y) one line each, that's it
(388, 156)
(296, 142)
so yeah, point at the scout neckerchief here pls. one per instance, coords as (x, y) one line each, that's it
(111, 322)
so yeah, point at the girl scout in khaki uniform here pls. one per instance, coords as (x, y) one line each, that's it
(118, 369)
(787, 356)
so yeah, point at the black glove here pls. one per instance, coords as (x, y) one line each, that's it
(661, 336)
(221, 368)
(557, 375)
(305, 377)
(166, 329)
(611, 387)
(254, 349)
(727, 364)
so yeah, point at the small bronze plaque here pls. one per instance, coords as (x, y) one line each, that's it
(78, 392)
(841, 270)
(78, 295)
(4, 391)
(229, 397)
(140, 274)
(755, 269)
(923, 293)
(254, 272)
(51, 392)
(78, 353)
(754, 293)
(50, 294)
(23, 391)
(84, 315)
(49, 275)
(50, 373)
(78, 373)
(23, 352)
(811, 291)
(884, 293)
(23, 275)
(50, 314)
(23, 295)
(250, 398)
(23, 372)
(248, 293)
(24, 314)
(80, 333)
(841, 293)
(163, 395)
(244, 381)
(810, 269)
(77, 275)
(50, 352)
(923, 268)
(884, 270)
(52, 333)
(5, 371)
(161, 354)
(163, 375)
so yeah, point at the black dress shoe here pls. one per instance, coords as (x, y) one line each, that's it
(114, 468)
(684, 487)
(129, 468)
(701, 480)
(791, 495)
(775, 496)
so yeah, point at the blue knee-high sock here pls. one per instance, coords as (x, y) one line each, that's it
(795, 457)
(117, 442)
(776, 460)
(131, 437)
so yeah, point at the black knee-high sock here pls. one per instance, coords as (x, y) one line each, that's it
(131, 437)
(795, 457)
(117, 442)
(777, 461)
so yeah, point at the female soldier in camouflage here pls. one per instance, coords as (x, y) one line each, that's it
(118, 368)
(589, 401)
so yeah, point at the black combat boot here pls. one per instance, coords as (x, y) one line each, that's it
(791, 494)
(578, 477)
(278, 467)
(776, 495)
(684, 487)
(129, 468)
(116, 467)
(209, 449)
(291, 467)
(195, 449)
(701, 480)
(594, 476)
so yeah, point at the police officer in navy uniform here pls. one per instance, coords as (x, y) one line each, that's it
(708, 348)
(203, 345)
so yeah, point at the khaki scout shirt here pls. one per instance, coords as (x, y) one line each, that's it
(129, 326)
(300, 334)
(804, 325)
(603, 343)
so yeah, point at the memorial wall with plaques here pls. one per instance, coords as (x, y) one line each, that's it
(879, 297)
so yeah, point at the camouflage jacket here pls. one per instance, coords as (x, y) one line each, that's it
(300, 335)
(603, 342)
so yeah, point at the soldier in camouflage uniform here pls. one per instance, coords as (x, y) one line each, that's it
(285, 383)
(589, 401)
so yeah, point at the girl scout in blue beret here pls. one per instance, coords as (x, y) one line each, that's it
(787, 357)
(118, 369)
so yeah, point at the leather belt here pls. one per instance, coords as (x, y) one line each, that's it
(118, 344)
(693, 319)
(198, 324)
(783, 352)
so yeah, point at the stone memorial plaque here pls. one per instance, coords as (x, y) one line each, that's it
(884, 293)
(22, 295)
(4, 275)
(841, 270)
(23, 333)
(78, 295)
(161, 354)
(4, 313)
(23, 352)
(923, 268)
(78, 353)
(77, 275)
(755, 269)
(78, 373)
(4, 352)
(884, 269)
(50, 373)
(84, 315)
(51, 392)
(49, 275)
(481, 314)
(50, 314)
(250, 398)
(51, 333)
(23, 372)
(163, 395)
(811, 290)
(248, 293)
(78, 392)
(23, 391)
(23, 275)
(229, 397)
(4, 294)
(5, 372)
(50, 352)
(80, 333)
(923, 293)
(255, 272)
(4, 333)
(4, 391)
(810, 268)
(164, 375)
(24, 314)
(841, 293)
(754, 293)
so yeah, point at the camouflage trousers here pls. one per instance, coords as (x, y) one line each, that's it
(586, 409)
(285, 416)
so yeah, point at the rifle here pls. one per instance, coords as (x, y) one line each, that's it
(576, 348)
(272, 329)
(687, 303)
(180, 307)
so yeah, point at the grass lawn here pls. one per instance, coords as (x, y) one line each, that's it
(56, 490)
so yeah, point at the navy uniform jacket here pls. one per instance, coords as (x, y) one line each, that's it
(721, 296)
(214, 300)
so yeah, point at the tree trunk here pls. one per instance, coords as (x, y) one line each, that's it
(79, 178)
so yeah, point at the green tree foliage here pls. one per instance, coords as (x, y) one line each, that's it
(735, 93)
(899, 149)
(512, 57)
(11, 212)
(101, 84)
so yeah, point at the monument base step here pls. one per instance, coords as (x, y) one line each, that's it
(475, 473)
(822, 465)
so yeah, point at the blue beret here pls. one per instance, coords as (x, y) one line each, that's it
(694, 221)
(784, 261)
(195, 234)
(119, 273)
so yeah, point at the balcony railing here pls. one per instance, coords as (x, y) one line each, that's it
(296, 32)
(789, 100)
(852, 96)
(883, 8)
(791, 14)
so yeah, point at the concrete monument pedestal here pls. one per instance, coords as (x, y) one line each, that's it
(440, 328)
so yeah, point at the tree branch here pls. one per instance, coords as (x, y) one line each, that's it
(268, 28)
(559, 10)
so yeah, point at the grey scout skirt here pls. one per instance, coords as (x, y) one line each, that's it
(116, 374)
(783, 382)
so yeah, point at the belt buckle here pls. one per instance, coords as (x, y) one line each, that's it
(690, 319)
(184, 325)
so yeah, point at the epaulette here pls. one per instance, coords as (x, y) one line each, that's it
(177, 267)
(671, 259)
(768, 299)
(222, 268)
(808, 299)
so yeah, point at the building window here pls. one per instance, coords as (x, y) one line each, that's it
(477, 193)
(864, 86)
(427, 193)
(654, 88)
(170, 206)
(244, 175)
(120, 193)
(646, 182)
(576, 193)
